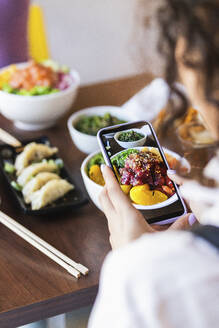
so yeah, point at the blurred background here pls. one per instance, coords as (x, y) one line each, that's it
(100, 39)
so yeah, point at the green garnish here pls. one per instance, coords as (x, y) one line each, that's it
(38, 90)
(59, 162)
(23, 92)
(119, 159)
(65, 69)
(52, 64)
(129, 136)
(92, 124)
(9, 168)
(96, 159)
(54, 91)
(16, 186)
(51, 161)
(7, 88)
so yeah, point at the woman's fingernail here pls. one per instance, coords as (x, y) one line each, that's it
(102, 167)
(192, 219)
(171, 172)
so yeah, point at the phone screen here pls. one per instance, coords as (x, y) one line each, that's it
(140, 165)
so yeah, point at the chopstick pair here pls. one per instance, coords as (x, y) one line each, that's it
(64, 261)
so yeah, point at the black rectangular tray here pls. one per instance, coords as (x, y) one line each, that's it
(73, 199)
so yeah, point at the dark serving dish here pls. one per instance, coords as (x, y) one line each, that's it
(72, 199)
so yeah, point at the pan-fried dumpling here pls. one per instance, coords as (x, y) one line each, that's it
(50, 192)
(33, 152)
(32, 170)
(36, 183)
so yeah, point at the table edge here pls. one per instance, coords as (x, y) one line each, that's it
(48, 308)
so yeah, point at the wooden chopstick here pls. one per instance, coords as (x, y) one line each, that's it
(5, 219)
(9, 139)
(72, 267)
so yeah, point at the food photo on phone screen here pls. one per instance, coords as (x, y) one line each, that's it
(133, 151)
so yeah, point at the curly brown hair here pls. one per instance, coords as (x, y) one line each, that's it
(197, 22)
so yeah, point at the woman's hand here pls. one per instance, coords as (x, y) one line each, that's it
(125, 222)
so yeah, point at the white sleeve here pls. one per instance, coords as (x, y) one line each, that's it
(115, 306)
(168, 279)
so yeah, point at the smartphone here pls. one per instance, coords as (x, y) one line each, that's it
(139, 163)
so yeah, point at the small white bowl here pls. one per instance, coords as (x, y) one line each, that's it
(94, 189)
(38, 112)
(131, 144)
(85, 142)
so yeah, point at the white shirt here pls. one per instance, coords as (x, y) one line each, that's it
(168, 279)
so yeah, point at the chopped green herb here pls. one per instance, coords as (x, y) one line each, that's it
(38, 90)
(59, 162)
(7, 88)
(119, 159)
(129, 136)
(54, 91)
(23, 92)
(92, 124)
(9, 168)
(52, 64)
(65, 69)
(96, 159)
(16, 186)
(51, 161)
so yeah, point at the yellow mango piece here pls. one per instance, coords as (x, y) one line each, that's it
(5, 75)
(145, 149)
(156, 152)
(126, 188)
(95, 174)
(158, 196)
(141, 195)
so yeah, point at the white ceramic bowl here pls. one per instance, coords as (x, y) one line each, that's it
(94, 189)
(130, 144)
(38, 112)
(85, 142)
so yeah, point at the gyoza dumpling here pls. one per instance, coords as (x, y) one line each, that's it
(33, 152)
(36, 183)
(50, 192)
(32, 170)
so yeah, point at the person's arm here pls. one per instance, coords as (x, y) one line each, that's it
(164, 280)
(114, 307)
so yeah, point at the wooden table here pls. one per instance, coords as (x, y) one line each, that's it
(33, 287)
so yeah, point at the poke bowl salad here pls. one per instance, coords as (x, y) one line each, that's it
(36, 95)
(35, 79)
(141, 173)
